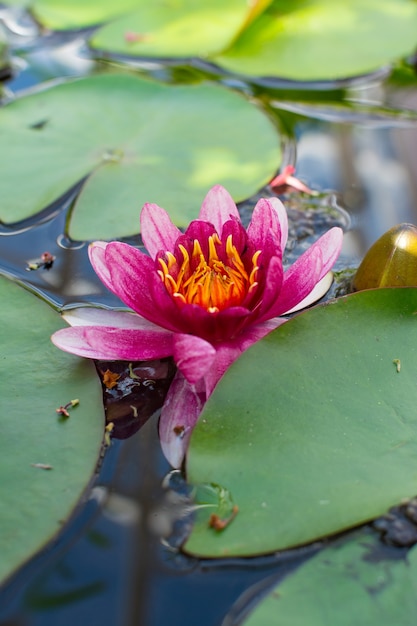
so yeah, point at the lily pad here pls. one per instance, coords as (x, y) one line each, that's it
(47, 460)
(350, 583)
(136, 141)
(314, 429)
(185, 28)
(324, 40)
(72, 14)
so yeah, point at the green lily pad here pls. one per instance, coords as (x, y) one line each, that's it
(137, 141)
(314, 429)
(185, 28)
(350, 583)
(71, 14)
(36, 379)
(324, 40)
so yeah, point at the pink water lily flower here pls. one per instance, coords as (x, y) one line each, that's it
(202, 297)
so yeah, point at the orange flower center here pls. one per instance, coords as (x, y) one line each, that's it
(211, 283)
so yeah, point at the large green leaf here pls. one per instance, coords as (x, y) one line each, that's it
(350, 583)
(37, 378)
(323, 39)
(313, 430)
(185, 28)
(68, 14)
(138, 141)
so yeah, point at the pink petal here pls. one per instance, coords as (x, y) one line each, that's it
(193, 356)
(127, 345)
(113, 260)
(218, 207)
(330, 245)
(212, 326)
(320, 289)
(179, 415)
(114, 344)
(97, 255)
(281, 179)
(157, 230)
(301, 278)
(73, 340)
(135, 281)
(295, 183)
(254, 333)
(269, 215)
(228, 351)
(285, 179)
(199, 230)
(94, 316)
(185, 402)
(226, 354)
(239, 235)
(271, 288)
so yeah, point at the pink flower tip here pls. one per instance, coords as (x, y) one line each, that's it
(285, 180)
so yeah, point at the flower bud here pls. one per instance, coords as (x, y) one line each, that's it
(391, 261)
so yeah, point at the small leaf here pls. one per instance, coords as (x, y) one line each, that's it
(353, 582)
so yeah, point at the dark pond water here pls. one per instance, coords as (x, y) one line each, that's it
(118, 560)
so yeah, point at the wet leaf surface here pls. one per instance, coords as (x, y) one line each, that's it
(47, 459)
(313, 430)
(187, 28)
(349, 583)
(135, 141)
(69, 14)
(309, 40)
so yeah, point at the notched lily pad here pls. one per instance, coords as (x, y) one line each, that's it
(314, 429)
(47, 458)
(73, 14)
(185, 28)
(136, 141)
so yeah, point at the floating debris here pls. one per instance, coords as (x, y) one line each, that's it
(285, 180)
(45, 261)
(107, 433)
(63, 410)
(44, 466)
(110, 379)
(219, 523)
(132, 37)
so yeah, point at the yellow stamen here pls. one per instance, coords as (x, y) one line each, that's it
(171, 260)
(197, 251)
(211, 282)
(252, 277)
